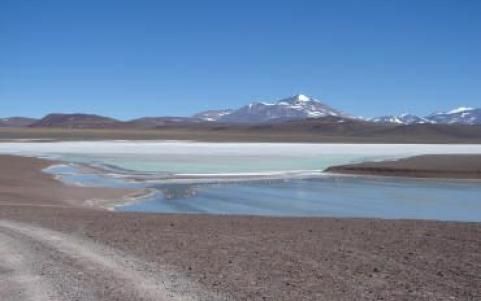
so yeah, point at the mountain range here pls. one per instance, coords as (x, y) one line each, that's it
(292, 108)
(304, 107)
(462, 115)
(295, 108)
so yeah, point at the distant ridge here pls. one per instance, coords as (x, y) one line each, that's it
(462, 115)
(77, 120)
(212, 115)
(17, 122)
(459, 116)
(154, 122)
(295, 108)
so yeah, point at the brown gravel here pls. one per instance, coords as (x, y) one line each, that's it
(259, 258)
(23, 183)
(425, 166)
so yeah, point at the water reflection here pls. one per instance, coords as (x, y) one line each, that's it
(177, 191)
(330, 197)
(322, 196)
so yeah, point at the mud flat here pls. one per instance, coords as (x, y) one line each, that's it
(462, 166)
(47, 230)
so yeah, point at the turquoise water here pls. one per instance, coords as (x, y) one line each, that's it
(328, 196)
(324, 196)
(203, 157)
(215, 164)
(273, 179)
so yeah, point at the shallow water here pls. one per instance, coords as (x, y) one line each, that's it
(261, 178)
(334, 196)
(327, 196)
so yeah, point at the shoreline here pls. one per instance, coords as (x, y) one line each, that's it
(229, 257)
(25, 176)
(133, 199)
(409, 168)
(448, 167)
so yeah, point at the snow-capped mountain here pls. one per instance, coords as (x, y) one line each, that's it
(212, 115)
(296, 107)
(461, 115)
(400, 119)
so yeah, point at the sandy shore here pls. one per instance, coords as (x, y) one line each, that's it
(426, 166)
(52, 247)
(23, 183)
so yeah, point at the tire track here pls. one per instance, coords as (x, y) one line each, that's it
(18, 281)
(57, 266)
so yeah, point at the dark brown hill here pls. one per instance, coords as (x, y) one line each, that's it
(77, 121)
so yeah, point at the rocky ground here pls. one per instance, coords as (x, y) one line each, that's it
(56, 250)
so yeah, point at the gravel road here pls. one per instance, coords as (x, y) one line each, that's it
(39, 264)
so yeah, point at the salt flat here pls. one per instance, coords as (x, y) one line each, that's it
(206, 157)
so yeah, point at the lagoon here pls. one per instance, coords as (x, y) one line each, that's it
(271, 179)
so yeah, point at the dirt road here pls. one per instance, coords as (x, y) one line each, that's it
(39, 264)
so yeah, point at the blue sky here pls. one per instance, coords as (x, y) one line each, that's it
(134, 58)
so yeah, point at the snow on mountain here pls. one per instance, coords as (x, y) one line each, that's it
(460, 115)
(212, 115)
(310, 106)
(296, 107)
(460, 110)
(400, 119)
(302, 107)
(153, 122)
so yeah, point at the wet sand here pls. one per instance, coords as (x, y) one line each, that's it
(67, 251)
(23, 183)
(426, 166)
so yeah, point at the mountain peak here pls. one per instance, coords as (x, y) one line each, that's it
(298, 98)
(302, 97)
(294, 107)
